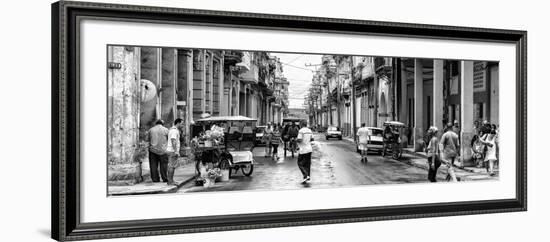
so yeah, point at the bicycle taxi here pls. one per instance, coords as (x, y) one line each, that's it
(225, 142)
(290, 142)
(393, 130)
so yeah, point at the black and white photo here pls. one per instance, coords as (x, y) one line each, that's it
(185, 120)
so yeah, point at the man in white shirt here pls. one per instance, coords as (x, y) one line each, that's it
(363, 136)
(173, 148)
(304, 151)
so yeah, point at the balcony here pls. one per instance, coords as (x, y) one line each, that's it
(232, 58)
(251, 75)
(382, 63)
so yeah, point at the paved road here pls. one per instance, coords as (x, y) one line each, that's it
(334, 164)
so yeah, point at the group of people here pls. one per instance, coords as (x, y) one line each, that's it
(447, 149)
(164, 150)
(275, 135)
(484, 146)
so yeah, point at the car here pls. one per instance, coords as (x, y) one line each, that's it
(333, 132)
(375, 141)
(259, 140)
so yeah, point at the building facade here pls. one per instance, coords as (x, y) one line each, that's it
(149, 83)
(349, 91)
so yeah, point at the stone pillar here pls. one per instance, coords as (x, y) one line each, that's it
(211, 83)
(467, 112)
(190, 86)
(168, 91)
(125, 153)
(404, 107)
(438, 104)
(199, 66)
(418, 104)
(222, 104)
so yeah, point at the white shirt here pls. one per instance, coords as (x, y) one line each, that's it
(305, 135)
(363, 134)
(174, 133)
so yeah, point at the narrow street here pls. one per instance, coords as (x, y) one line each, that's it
(335, 163)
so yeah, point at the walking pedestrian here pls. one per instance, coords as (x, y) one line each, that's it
(158, 138)
(450, 149)
(490, 153)
(304, 151)
(432, 150)
(363, 136)
(173, 149)
(275, 142)
(268, 132)
(477, 151)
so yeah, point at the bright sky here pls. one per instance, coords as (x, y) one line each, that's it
(298, 75)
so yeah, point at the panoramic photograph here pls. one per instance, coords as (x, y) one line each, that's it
(188, 120)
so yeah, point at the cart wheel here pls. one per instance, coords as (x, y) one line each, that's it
(395, 155)
(247, 169)
(224, 164)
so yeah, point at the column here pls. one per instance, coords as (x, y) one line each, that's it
(438, 94)
(467, 106)
(197, 106)
(418, 104)
(404, 109)
(211, 86)
(168, 80)
(189, 86)
(123, 114)
(221, 89)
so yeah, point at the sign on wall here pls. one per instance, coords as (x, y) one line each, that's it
(480, 77)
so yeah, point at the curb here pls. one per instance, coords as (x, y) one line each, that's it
(168, 189)
(179, 185)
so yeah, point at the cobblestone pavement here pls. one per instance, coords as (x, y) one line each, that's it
(335, 163)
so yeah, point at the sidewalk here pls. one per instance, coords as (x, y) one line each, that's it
(182, 175)
(419, 159)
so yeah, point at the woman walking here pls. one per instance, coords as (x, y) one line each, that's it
(491, 151)
(268, 131)
(477, 151)
(434, 162)
(275, 141)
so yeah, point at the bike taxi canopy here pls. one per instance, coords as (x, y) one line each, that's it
(394, 123)
(226, 118)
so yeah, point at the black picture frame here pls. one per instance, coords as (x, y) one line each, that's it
(65, 220)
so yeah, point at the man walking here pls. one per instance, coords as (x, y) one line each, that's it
(450, 148)
(173, 149)
(363, 136)
(303, 140)
(158, 137)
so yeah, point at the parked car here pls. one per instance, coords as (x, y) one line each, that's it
(375, 141)
(259, 140)
(333, 132)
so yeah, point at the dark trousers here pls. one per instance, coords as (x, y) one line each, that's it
(304, 163)
(156, 161)
(275, 147)
(432, 172)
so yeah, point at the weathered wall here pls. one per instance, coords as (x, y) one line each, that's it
(124, 153)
